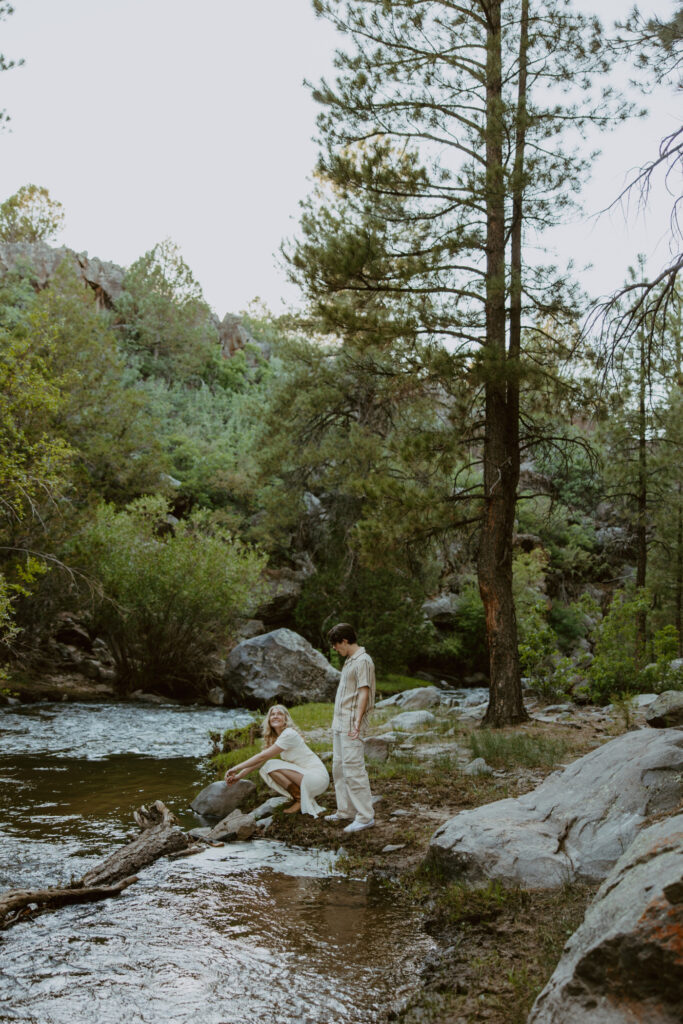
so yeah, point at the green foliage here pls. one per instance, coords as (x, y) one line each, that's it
(536, 638)
(613, 669)
(33, 462)
(464, 644)
(30, 215)
(171, 593)
(103, 415)
(502, 750)
(661, 675)
(164, 319)
(383, 605)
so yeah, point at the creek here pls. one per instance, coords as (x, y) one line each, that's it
(248, 933)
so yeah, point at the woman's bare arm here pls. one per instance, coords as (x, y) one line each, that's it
(238, 771)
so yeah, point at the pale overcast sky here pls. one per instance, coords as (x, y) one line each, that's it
(150, 119)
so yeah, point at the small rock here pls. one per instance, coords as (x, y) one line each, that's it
(393, 847)
(269, 806)
(409, 720)
(399, 814)
(478, 767)
(265, 823)
(235, 826)
(216, 696)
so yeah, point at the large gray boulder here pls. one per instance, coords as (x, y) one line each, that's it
(420, 698)
(218, 799)
(625, 962)
(280, 666)
(575, 825)
(666, 711)
(408, 721)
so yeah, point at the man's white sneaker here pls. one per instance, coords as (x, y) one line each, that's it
(336, 817)
(358, 826)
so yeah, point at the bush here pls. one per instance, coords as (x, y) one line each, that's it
(170, 595)
(464, 644)
(613, 669)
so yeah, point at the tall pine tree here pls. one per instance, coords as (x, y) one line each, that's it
(450, 139)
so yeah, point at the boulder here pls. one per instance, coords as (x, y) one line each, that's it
(420, 698)
(409, 720)
(235, 826)
(442, 609)
(279, 667)
(218, 799)
(575, 825)
(666, 711)
(378, 748)
(625, 961)
(269, 806)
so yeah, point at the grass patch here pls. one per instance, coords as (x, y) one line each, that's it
(503, 750)
(312, 716)
(390, 684)
(232, 757)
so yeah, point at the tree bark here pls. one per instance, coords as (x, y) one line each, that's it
(641, 500)
(501, 437)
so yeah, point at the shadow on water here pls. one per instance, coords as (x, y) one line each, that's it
(249, 933)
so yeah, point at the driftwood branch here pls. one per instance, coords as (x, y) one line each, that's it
(160, 837)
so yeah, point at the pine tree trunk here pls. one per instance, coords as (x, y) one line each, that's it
(679, 573)
(501, 438)
(641, 520)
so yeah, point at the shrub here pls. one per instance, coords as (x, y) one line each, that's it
(170, 596)
(465, 643)
(613, 669)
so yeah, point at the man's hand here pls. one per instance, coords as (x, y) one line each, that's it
(354, 732)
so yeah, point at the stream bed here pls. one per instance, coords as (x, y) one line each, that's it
(248, 933)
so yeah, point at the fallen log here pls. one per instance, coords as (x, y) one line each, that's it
(17, 900)
(160, 837)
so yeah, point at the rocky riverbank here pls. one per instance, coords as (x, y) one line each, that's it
(503, 840)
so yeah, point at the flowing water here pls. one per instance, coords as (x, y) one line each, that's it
(249, 933)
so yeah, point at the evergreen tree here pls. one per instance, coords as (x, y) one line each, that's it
(441, 157)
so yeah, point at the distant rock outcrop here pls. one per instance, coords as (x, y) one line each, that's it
(106, 279)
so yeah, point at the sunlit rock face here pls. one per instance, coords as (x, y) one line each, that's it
(278, 666)
(576, 824)
(625, 962)
(106, 279)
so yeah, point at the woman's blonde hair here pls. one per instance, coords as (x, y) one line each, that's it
(269, 734)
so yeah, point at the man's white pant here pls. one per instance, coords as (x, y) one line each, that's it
(351, 784)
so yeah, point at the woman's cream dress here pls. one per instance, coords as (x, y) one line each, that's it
(299, 758)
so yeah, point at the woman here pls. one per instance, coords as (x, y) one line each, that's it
(300, 774)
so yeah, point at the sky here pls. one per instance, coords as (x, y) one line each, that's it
(153, 119)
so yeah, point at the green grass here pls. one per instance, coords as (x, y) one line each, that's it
(391, 683)
(502, 750)
(312, 716)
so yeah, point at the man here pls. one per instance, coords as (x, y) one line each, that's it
(355, 699)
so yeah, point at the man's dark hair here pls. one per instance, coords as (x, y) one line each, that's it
(342, 631)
